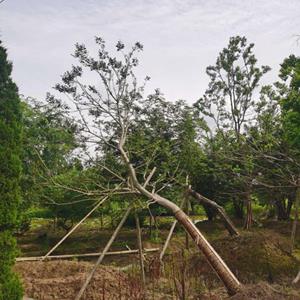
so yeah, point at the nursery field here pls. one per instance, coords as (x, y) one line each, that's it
(267, 270)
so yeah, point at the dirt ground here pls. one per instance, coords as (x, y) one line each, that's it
(63, 279)
(259, 258)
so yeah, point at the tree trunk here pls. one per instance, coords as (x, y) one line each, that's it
(220, 210)
(186, 233)
(238, 207)
(249, 216)
(216, 262)
(282, 209)
(289, 206)
(210, 212)
(296, 216)
(230, 281)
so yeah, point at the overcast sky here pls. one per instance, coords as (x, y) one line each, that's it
(181, 38)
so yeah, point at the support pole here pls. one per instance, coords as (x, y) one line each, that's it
(187, 206)
(98, 262)
(74, 228)
(97, 254)
(166, 244)
(140, 247)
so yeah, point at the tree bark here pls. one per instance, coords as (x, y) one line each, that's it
(228, 278)
(186, 233)
(238, 206)
(220, 210)
(249, 215)
(296, 216)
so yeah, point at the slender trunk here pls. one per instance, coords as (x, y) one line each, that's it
(140, 247)
(101, 221)
(186, 233)
(249, 216)
(220, 210)
(238, 206)
(289, 206)
(281, 208)
(150, 225)
(296, 216)
(216, 262)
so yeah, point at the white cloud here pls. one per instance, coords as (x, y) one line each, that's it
(181, 37)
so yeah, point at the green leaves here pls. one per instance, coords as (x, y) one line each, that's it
(10, 171)
(233, 79)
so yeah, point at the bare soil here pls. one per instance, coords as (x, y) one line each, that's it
(63, 279)
(260, 259)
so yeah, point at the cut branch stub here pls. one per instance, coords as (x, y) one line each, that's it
(220, 210)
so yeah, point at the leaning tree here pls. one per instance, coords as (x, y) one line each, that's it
(109, 103)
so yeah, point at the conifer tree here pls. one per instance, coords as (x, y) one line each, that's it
(10, 170)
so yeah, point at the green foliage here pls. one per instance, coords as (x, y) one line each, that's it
(290, 99)
(233, 80)
(10, 170)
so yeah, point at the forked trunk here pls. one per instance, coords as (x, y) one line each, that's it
(220, 210)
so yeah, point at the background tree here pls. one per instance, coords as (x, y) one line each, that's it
(229, 102)
(10, 171)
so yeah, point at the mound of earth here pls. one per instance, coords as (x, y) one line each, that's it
(63, 279)
(254, 256)
(265, 291)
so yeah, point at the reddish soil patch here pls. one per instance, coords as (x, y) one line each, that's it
(63, 279)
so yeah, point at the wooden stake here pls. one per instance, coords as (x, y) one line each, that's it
(98, 262)
(140, 247)
(74, 228)
(166, 244)
(66, 256)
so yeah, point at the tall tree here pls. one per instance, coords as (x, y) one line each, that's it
(233, 81)
(290, 105)
(114, 107)
(229, 101)
(10, 170)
